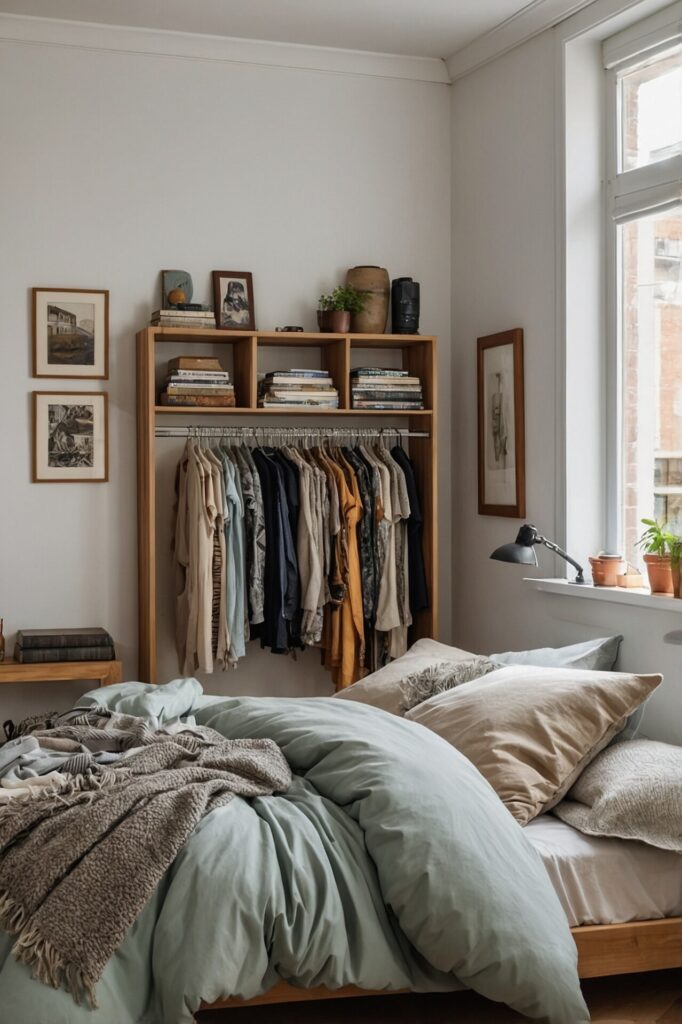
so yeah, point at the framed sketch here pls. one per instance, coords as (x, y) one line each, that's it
(501, 440)
(71, 333)
(70, 443)
(233, 300)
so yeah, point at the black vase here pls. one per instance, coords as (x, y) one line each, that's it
(405, 306)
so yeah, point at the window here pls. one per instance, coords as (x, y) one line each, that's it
(644, 235)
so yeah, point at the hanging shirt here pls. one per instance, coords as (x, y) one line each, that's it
(419, 594)
(255, 540)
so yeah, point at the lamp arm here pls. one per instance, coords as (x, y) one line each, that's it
(563, 554)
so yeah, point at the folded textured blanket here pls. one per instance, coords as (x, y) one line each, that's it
(113, 832)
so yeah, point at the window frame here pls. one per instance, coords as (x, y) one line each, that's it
(629, 195)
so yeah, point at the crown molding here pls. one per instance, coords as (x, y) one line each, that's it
(528, 22)
(157, 43)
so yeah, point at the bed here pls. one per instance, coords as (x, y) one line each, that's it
(406, 804)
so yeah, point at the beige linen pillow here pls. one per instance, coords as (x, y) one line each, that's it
(382, 688)
(531, 731)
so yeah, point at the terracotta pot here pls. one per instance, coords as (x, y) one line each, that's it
(677, 579)
(660, 574)
(375, 285)
(606, 569)
(333, 321)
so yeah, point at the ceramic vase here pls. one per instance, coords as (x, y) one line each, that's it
(375, 286)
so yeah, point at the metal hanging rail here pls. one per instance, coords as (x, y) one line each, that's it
(260, 433)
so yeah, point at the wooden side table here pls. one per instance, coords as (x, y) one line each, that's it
(105, 673)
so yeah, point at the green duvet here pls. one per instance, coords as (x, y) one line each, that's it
(389, 864)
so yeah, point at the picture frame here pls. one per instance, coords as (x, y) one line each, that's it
(70, 437)
(501, 425)
(233, 300)
(71, 333)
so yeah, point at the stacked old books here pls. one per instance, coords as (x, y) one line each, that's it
(286, 389)
(197, 381)
(43, 646)
(376, 388)
(185, 316)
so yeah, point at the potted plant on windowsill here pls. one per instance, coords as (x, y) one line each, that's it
(334, 312)
(657, 544)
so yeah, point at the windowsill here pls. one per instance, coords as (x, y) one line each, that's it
(617, 595)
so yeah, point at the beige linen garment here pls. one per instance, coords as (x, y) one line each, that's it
(223, 634)
(194, 533)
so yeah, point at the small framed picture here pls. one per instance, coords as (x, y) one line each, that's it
(71, 333)
(233, 300)
(70, 443)
(501, 437)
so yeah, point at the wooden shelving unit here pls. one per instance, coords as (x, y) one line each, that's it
(415, 353)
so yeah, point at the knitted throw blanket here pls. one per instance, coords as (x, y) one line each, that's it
(78, 864)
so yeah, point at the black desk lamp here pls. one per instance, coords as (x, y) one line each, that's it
(522, 551)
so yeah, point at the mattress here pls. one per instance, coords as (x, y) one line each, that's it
(607, 881)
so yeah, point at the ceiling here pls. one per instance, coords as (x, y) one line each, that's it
(423, 28)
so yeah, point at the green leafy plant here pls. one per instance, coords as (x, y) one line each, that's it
(348, 299)
(656, 540)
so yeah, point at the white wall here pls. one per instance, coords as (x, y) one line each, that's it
(114, 165)
(504, 246)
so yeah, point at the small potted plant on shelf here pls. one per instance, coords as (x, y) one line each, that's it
(657, 544)
(334, 312)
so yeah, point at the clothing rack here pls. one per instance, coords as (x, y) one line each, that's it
(243, 353)
(302, 433)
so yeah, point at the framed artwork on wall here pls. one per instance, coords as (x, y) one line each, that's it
(501, 430)
(71, 333)
(233, 300)
(70, 442)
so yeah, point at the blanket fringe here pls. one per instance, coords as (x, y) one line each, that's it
(12, 914)
(49, 966)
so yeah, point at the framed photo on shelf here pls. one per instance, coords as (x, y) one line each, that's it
(71, 333)
(70, 439)
(233, 300)
(501, 431)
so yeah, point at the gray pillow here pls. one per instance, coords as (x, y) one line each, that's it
(439, 677)
(630, 791)
(597, 655)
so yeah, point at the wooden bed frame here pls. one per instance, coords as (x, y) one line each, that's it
(603, 949)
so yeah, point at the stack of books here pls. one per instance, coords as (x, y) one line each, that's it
(196, 317)
(42, 646)
(286, 389)
(374, 388)
(197, 381)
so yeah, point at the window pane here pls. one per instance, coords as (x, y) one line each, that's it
(651, 352)
(651, 106)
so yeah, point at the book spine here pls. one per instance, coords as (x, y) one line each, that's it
(189, 400)
(45, 655)
(393, 396)
(376, 371)
(198, 373)
(199, 391)
(195, 382)
(181, 322)
(28, 642)
(388, 404)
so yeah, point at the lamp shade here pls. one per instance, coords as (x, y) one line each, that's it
(519, 553)
(522, 551)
